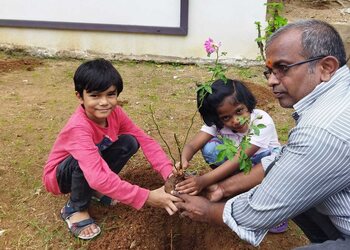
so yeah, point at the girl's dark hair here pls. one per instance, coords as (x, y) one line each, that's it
(220, 90)
(97, 75)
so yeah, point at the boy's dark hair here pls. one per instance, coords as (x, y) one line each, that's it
(97, 75)
(220, 90)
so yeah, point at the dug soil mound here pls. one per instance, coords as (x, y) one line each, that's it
(149, 228)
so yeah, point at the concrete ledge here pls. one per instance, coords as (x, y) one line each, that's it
(89, 54)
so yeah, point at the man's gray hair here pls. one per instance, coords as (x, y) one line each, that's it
(318, 38)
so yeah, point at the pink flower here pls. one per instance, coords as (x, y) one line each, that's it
(210, 46)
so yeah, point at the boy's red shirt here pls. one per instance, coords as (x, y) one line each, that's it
(79, 138)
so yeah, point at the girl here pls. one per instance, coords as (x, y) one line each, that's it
(222, 111)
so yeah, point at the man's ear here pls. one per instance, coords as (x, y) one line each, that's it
(329, 65)
(80, 98)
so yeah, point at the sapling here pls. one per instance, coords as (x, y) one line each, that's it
(229, 148)
(274, 21)
(180, 175)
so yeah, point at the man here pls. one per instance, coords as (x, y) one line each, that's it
(310, 180)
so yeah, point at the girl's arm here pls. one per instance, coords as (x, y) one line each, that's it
(236, 184)
(227, 168)
(192, 147)
(196, 184)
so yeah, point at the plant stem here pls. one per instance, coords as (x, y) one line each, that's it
(216, 63)
(160, 134)
(179, 149)
(260, 44)
(192, 122)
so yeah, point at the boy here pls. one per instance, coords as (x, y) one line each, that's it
(93, 147)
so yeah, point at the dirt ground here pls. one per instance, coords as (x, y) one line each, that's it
(328, 10)
(37, 98)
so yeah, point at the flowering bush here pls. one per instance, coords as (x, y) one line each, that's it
(211, 46)
(217, 70)
(228, 149)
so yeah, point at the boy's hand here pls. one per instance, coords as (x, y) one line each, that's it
(176, 169)
(214, 193)
(159, 198)
(193, 185)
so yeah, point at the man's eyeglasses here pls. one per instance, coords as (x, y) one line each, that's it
(281, 70)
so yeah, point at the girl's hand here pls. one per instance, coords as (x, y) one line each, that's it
(159, 198)
(176, 169)
(185, 164)
(193, 185)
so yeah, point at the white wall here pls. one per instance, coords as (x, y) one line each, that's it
(228, 21)
(136, 12)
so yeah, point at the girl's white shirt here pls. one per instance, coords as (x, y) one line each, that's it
(267, 140)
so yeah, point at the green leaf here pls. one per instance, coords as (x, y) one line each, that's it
(226, 150)
(208, 89)
(221, 147)
(256, 130)
(242, 120)
(261, 126)
(221, 156)
(242, 164)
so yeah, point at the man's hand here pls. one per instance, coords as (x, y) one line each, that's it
(200, 209)
(194, 207)
(214, 192)
(159, 198)
(193, 185)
